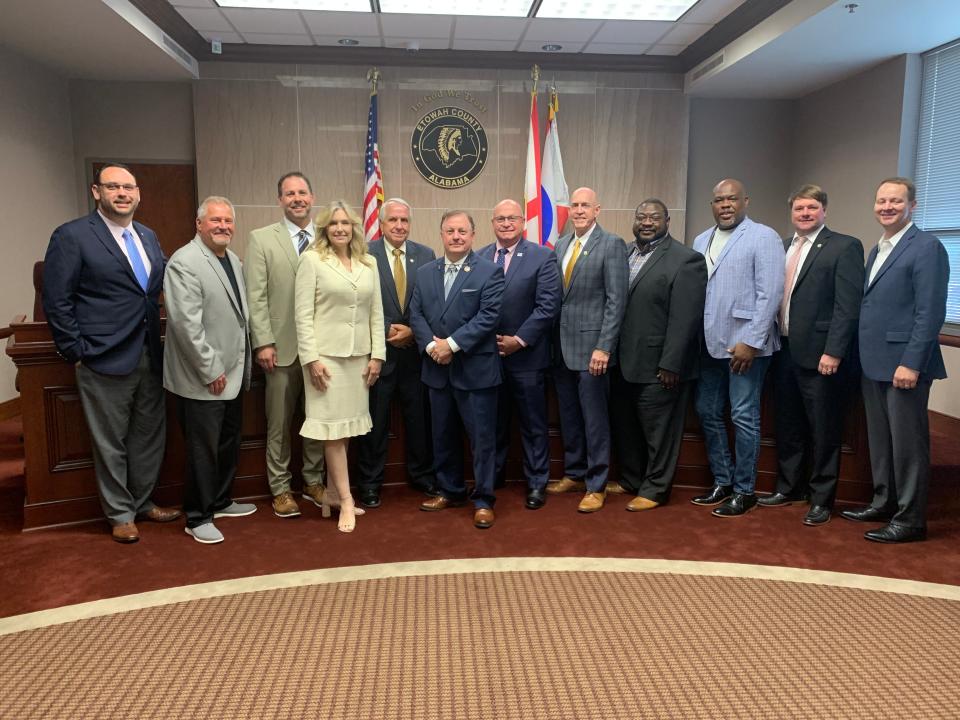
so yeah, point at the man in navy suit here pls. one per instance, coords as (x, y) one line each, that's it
(531, 301)
(398, 259)
(454, 313)
(102, 278)
(904, 306)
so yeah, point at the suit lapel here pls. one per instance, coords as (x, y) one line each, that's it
(221, 274)
(458, 282)
(897, 251)
(283, 238)
(413, 264)
(737, 234)
(106, 238)
(592, 245)
(385, 268)
(516, 262)
(811, 257)
(154, 254)
(655, 256)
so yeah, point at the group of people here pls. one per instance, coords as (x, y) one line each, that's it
(467, 341)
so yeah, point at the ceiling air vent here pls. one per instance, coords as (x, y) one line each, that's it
(171, 45)
(711, 64)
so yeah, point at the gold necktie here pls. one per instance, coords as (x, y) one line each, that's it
(399, 276)
(573, 261)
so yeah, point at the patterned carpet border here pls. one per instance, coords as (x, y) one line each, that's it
(157, 598)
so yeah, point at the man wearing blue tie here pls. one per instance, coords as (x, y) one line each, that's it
(454, 313)
(102, 278)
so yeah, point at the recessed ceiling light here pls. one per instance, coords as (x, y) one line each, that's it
(668, 10)
(347, 5)
(495, 8)
(348, 41)
(551, 47)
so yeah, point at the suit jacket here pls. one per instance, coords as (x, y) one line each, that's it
(593, 302)
(338, 313)
(904, 308)
(96, 309)
(825, 302)
(663, 322)
(531, 300)
(469, 315)
(206, 325)
(269, 270)
(744, 291)
(417, 255)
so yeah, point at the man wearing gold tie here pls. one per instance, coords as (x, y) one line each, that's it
(398, 259)
(593, 265)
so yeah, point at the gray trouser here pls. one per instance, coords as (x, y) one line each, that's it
(284, 396)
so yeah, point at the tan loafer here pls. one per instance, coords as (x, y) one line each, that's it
(125, 533)
(483, 518)
(592, 502)
(565, 485)
(161, 514)
(639, 504)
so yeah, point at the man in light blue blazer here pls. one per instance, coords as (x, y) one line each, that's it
(745, 270)
(904, 306)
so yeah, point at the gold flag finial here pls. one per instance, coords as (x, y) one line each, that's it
(373, 77)
(535, 73)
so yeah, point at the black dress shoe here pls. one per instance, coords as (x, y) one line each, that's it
(717, 495)
(427, 488)
(777, 499)
(866, 514)
(817, 515)
(894, 533)
(536, 497)
(738, 504)
(370, 498)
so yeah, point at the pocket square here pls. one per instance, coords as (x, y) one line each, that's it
(468, 290)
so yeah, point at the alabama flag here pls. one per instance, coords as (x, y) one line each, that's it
(531, 185)
(554, 196)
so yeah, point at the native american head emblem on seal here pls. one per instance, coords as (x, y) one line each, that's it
(449, 147)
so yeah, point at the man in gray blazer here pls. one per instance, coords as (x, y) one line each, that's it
(269, 271)
(593, 266)
(207, 364)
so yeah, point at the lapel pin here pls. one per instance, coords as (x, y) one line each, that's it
(819, 244)
(586, 252)
(519, 254)
(466, 268)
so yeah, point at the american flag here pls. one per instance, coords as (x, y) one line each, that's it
(373, 185)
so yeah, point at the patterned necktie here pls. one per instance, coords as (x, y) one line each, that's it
(303, 240)
(501, 253)
(568, 273)
(450, 274)
(789, 277)
(399, 276)
(135, 260)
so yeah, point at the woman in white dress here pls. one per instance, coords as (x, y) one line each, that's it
(340, 334)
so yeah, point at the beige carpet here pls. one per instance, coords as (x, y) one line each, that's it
(516, 644)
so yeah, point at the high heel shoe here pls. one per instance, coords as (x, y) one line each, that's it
(331, 502)
(348, 517)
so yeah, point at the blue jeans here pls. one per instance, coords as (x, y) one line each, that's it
(717, 385)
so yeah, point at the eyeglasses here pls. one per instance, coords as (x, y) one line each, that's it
(113, 187)
(655, 217)
(512, 219)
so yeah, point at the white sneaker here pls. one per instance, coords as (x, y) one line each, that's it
(206, 534)
(235, 509)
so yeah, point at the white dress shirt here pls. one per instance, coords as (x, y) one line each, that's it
(791, 282)
(884, 248)
(117, 232)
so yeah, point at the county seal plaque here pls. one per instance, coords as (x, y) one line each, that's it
(449, 147)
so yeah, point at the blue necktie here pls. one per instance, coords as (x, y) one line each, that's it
(135, 260)
(302, 240)
(501, 253)
(449, 276)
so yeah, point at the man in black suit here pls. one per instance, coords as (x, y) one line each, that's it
(398, 259)
(659, 353)
(102, 278)
(816, 364)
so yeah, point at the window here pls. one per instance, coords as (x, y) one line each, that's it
(938, 163)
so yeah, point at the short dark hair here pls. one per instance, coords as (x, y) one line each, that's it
(810, 192)
(296, 174)
(96, 175)
(906, 182)
(655, 201)
(452, 213)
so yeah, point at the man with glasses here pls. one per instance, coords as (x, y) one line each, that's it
(531, 301)
(102, 278)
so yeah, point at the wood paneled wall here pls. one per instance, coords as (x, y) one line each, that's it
(624, 134)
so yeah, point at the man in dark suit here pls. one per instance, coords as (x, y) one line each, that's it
(816, 363)
(659, 353)
(593, 265)
(903, 308)
(531, 301)
(398, 259)
(102, 278)
(454, 314)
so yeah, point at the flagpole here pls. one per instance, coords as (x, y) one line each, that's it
(531, 186)
(373, 179)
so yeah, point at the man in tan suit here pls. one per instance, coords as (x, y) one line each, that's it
(270, 268)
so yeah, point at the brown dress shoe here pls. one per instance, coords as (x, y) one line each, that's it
(126, 533)
(439, 503)
(314, 493)
(285, 506)
(592, 502)
(564, 485)
(161, 514)
(615, 488)
(641, 503)
(483, 518)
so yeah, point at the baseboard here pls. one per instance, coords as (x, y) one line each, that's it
(10, 408)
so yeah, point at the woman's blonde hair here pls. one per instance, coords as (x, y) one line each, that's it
(358, 246)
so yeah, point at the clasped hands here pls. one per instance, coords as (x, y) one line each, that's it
(320, 376)
(441, 353)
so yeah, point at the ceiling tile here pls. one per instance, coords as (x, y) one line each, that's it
(277, 39)
(421, 43)
(364, 40)
(684, 33)
(205, 19)
(416, 26)
(616, 48)
(569, 46)
(224, 37)
(666, 49)
(478, 28)
(494, 45)
(632, 31)
(711, 11)
(265, 21)
(559, 30)
(342, 24)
